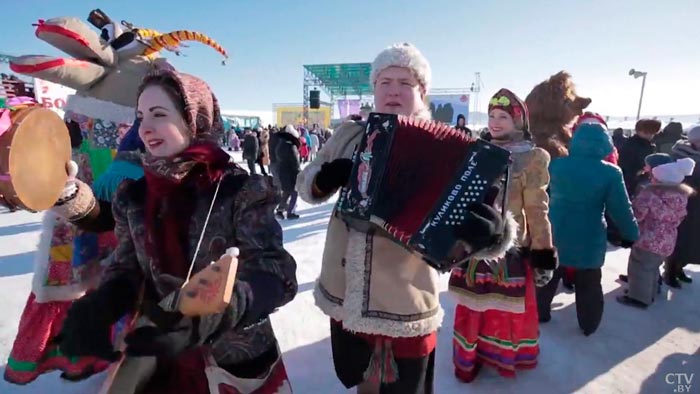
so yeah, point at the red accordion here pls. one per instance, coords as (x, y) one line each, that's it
(413, 179)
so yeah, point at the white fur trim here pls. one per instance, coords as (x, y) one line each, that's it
(100, 109)
(403, 55)
(41, 258)
(499, 250)
(305, 184)
(42, 292)
(424, 114)
(289, 129)
(331, 309)
(355, 279)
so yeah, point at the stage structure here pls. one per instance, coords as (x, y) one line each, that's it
(337, 81)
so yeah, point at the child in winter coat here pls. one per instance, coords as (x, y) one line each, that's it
(496, 316)
(583, 187)
(190, 185)
(659, 208)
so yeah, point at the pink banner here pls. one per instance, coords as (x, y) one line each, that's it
(348, 107)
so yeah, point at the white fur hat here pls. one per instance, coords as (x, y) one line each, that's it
(403, 55)
(289, 129)
(674, 172)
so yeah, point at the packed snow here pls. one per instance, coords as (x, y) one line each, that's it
(633, 351)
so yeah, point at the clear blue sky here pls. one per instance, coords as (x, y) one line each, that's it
(514, 44)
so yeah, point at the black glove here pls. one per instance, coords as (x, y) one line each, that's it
(87, 329)
(626, 244)
(333, 175)
(482, 227)
(170, 337)
(543, 258)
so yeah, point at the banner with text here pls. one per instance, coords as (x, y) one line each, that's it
(51, 95)
(295, 116)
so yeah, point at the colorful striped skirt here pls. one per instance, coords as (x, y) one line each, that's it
(501, 338)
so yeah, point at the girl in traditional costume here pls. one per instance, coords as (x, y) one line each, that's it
(496, 317)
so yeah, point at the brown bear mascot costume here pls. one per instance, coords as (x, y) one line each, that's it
(554, 107)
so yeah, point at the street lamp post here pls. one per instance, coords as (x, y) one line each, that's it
(636, 74)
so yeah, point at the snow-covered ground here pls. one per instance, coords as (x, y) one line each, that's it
(633, 351)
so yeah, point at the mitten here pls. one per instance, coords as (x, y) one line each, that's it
(171, 335)
(543, 262)
(71, 188)
(76, 200)
(481, 228)
(543, 258)
(86, 331)
(333, 175)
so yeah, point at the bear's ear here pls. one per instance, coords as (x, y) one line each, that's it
(562, 77)
(580, 103)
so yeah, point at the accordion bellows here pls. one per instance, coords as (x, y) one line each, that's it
(414, 179)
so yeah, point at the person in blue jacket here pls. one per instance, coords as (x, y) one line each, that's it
(583, 188)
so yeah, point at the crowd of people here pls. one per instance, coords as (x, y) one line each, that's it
(381, 299)
(280, 152)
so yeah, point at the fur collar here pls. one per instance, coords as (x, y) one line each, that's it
(508, 241)
(678, 187)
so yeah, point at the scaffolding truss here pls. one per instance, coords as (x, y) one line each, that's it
(336, 80)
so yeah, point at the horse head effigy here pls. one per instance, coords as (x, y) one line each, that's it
(105, 69)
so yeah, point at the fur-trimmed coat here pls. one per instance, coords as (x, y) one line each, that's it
(367, 281)
(659, 209)
(243, 217)
(527, 195)
(476, 285)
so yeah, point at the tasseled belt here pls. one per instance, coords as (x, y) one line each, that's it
(382, 367)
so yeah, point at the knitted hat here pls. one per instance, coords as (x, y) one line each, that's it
(674, 172)
(202, 114)
(403, 55)
(649, 126)
(694, 135)
(657, 159)
(591, 117)
(507, 101)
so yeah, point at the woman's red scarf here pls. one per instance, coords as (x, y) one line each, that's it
(172, 185)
